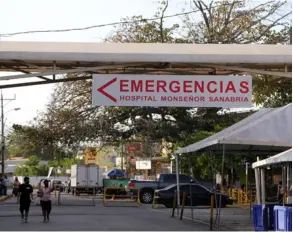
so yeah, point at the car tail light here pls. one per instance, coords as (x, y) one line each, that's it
(131, 184)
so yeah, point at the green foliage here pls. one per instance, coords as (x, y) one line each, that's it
(272, 91)
(63, 163)
(32, 161)
(32, 167)
(26, 141)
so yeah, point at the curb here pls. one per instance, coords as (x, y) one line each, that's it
(5, 198)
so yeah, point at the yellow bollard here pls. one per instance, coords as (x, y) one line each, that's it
(174, 204)
(138, 197)
(212, 212)
(183, 204)
(239, 198)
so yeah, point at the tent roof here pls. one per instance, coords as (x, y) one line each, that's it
(69, 54)
(266, 130)
(284, 157)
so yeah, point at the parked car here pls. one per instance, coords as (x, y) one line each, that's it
(147, 188)
(200, 196)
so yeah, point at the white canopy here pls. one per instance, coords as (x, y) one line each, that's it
(266, 130)
(283, 157)
(146, 52)
(43, 59)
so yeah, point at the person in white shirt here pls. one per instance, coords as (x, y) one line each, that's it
(280, 192)
(237, 184)
(5, 184)
(45, 195)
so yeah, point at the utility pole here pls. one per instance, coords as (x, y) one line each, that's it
(2, 133)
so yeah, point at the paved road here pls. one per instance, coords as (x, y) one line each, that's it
(93, 218)
(231, 218)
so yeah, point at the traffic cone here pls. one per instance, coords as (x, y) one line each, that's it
(113, 197)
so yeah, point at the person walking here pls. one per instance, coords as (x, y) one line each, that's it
(5, 185)
(1, 186)
(280, 193)
(237, 184)
(45, 195)
(24, 198)
(16, 185)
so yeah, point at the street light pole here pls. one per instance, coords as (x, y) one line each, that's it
(2, 132)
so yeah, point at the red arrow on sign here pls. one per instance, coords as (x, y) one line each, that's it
(102, 91)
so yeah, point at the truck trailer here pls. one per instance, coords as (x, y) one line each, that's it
(84, 179)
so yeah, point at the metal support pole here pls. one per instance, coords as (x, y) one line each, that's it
(94, 195)
(183, 205)
(222, 178)
(284, 182)
(263, 186)
(190, 200)
(246, 180)
(177, 182)
(212, 211)
(3, 133)
(288, 178)
(190, 189)
(257, 183)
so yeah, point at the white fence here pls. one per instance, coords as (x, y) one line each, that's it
(34, 180)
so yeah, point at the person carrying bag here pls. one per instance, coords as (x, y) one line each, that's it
(45, 194)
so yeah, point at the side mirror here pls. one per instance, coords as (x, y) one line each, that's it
(192, 181)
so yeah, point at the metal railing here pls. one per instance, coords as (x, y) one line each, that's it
(120, 195)
(64, 197)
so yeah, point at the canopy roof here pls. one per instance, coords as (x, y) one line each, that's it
(266, 130)
(67, 53)
(284, 157)
(49, 58)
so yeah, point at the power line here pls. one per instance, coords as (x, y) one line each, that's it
(103, 25)
(96, 26)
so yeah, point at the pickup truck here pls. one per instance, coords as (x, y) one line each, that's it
(147, 188)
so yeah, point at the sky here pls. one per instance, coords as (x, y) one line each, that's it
(20, 15)
(28, 15)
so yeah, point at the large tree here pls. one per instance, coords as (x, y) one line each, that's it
(228, 22)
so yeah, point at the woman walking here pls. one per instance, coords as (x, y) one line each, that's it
(16, 185)
(45, 195)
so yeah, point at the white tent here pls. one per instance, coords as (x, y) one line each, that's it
(266, 130)
(284, 157)
(226, 131)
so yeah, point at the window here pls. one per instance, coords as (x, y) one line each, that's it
(198, 190)
(185, 188)
(184, 179)
(170, 178)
